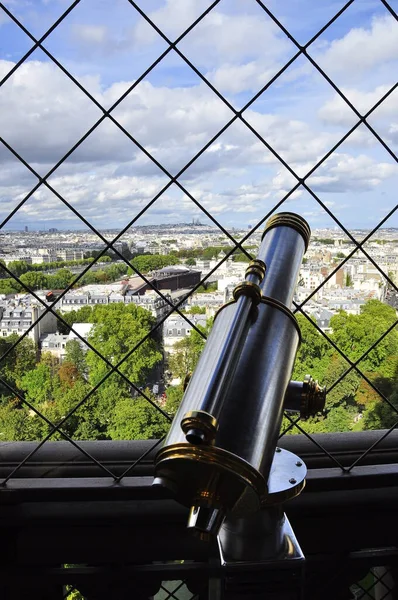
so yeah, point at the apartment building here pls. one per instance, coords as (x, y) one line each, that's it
(18, 319)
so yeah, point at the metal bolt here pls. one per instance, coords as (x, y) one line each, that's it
(278, 450)
(292, 480)
(299, 463)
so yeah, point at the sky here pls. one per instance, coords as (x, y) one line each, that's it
(172, 113)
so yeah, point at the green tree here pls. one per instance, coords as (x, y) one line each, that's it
(354, 334)
(338, 418)
(145, 263)
(61, 279)
(313, 353)
(18, 423)
(18, 267)
(39, 384)
(174, 394)
(118, 329)
(24, 356)
(9, 286)
(137, 419)
(81, 315)
(74, 354)
(64, 399)
(20, 360)
(205, 288)
(197, 310)
(241, 257)
(344, 393)
(34, 280)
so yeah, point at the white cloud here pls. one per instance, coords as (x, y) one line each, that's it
(41, 112)
(90, 34)
(233, 79)
(237, 38)
(296, 141)
(108, 179)
(337, 111)
(343, 172)
(172, 18)
(239, 51)
(101, 196)
(361, 49)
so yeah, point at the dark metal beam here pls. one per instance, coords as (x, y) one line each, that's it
(61, 459)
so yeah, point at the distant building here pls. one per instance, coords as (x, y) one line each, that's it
(39, 259)
(352, 307)
(55, 343)
(74, 301)
(19, 319)
(115, 297)
(176, 328)
(210, 301)
(69, 254)
(310, 280)
(322, 317)
(151, 301)
(175, 277)
(84, 330)
(228, 282)
(7, 258)
(203, 265)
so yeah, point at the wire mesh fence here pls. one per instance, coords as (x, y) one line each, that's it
(118, 371)
(377, 584)
(374, 583)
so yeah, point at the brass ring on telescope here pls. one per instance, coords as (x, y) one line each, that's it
(217, 459)
(256, 267)
(283, 308)
(313, 398)
(288, 219)
(247, 288)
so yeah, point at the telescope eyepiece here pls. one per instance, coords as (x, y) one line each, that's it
(205, 521)
(195, 436)
(199, 427)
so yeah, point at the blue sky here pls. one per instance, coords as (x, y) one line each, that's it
(106, 45)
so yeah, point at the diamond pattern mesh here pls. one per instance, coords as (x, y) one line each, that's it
(362, 121)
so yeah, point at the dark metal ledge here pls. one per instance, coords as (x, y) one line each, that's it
(61, 459)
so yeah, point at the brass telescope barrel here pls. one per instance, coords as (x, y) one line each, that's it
(218, 455)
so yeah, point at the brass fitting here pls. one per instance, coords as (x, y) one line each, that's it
(248, 288)
(313, 398)
(288, 219)
(199, 427)
(256, 267)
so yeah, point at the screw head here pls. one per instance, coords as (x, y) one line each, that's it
(292, 481)
(278, 450)
(299, 463)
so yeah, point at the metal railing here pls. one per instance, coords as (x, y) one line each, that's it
(302, 182)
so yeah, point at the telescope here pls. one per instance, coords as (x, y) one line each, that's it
(220, 457)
